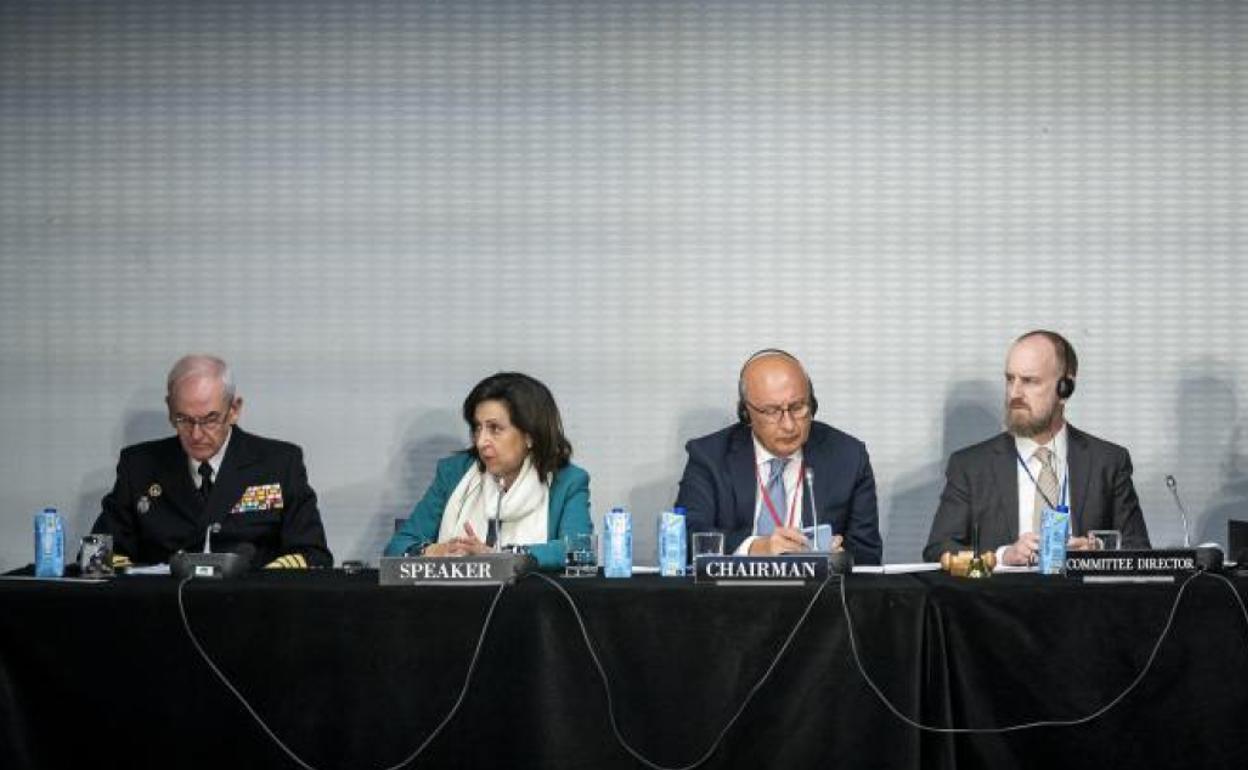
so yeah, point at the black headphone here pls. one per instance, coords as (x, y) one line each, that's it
(1065, 387)
(743, 411)
(1070, 362)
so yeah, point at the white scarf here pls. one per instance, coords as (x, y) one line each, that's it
(525, 517)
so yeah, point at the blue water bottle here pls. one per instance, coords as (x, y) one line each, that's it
(617, 550)
(1054, 529)
(671, 542)
(49, 544)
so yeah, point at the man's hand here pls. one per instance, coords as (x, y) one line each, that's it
(783, 540)
(1024, 551)
(1081, 543)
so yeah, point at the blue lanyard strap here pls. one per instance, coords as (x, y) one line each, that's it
(1061, 498)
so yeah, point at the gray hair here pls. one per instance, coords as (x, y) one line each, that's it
(201, 365)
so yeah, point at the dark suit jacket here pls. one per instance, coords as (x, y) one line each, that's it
(720, 488)
(176, 519)
(981, 484)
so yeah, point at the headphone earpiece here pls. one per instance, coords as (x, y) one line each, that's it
(1065, 387)
(1066, 383)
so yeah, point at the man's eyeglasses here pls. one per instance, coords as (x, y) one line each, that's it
(211, 421)
(798, 410)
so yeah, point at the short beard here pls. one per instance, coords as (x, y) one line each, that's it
(1025, 426)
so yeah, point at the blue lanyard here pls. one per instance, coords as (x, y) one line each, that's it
(1061, 499)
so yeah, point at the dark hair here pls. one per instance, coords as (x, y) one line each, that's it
(1066, 357)
(532, 409)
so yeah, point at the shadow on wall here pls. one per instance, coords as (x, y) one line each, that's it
(1212, 463)
(137, 426)
(972, 414)
(648, 498)
(1231, 499)
(373, 505)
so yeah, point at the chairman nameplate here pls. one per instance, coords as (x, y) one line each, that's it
(487, 569)
(794, 569)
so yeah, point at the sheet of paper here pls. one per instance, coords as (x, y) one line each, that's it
(896, 569)
(149, 569)
(1008, 568)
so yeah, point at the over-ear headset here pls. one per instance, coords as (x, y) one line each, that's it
(1070, 362)
(743, 411)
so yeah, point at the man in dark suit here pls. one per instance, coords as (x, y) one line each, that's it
(749, 480)
(170, 491)
(1003, 484)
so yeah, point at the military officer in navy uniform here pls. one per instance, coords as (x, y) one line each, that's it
(170, 491)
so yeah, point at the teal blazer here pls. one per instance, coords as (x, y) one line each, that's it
(568, 514)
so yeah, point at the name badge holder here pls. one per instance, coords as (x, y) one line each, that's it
(482, 570)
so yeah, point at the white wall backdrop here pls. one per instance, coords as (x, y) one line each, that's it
(368, 206)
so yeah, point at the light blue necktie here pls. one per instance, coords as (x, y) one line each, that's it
(775, 493)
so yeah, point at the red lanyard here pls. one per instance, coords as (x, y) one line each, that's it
(775, 516)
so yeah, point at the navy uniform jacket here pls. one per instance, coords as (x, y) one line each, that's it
(720, 487)
(155, 476)
(981, 486)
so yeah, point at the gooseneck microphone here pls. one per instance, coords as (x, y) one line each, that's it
(1174, 490)
(207, 564)
(498, 514)
(208, 533)
(839, 562)
(814, 510)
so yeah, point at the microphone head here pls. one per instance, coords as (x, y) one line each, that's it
(213, 529)
(1170, 482)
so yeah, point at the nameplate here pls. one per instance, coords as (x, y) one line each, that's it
(487, 569)
(1095, 566)
(793, 569)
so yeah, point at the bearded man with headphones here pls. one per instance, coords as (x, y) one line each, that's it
(1003, 484)
(759, 481)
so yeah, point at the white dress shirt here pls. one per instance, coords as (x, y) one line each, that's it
(793, 483)
(214, 461)
(1026, 449)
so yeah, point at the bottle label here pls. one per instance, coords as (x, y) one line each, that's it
(49, 544)
(671, 544)
(618, 549)
(1054, 531)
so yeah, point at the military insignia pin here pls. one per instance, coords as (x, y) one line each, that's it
(154, 490)
(143, 505)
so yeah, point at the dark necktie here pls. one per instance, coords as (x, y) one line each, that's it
(205, 480)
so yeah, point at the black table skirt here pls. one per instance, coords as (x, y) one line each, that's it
(349, 674)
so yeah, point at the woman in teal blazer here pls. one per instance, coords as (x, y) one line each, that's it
(516, 473)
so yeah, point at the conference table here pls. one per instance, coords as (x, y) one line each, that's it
(350, 674)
